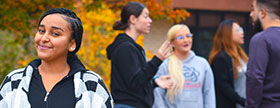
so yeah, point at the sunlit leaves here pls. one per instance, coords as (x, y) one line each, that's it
(18, 21)
(98, 16)
(98, 35)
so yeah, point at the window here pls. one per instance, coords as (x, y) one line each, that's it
(203, 24)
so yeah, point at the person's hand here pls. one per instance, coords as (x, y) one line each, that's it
(164, 82)
(164, 51)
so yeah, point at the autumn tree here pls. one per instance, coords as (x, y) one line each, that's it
(98, 18)
(20, 18)
(18, 21)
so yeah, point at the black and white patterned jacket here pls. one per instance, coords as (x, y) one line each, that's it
(13, 91)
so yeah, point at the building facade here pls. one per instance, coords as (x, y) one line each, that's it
(205, 17)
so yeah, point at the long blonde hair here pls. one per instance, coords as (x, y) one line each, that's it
(175, 66)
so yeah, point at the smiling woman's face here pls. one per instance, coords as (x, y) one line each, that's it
(183, 40)
(53, 38)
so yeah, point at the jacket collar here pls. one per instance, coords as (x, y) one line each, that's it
(75, 66)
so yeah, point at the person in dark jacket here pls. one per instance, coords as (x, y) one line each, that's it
(263, 73)
(132, 75)
(228, 61)
(57, 79)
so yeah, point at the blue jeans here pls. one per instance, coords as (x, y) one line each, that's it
(123, 106)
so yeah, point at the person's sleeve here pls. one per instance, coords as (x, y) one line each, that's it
(103, 91)
(209, 88)
(162, 70)
(3, 103)
(132, 70)
(258, 60)
(160, 93)
(221, 74)
(6, 95)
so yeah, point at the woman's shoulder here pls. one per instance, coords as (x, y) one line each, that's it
(126, 45)
(200, 61)
(91, 79)
(123, 40)
(16, 72)
(222, 55)
(15, 75)
(90, 75)
(94, 84)
(200, 58)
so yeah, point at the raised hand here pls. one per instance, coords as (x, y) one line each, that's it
(164, 82)
(164, 51)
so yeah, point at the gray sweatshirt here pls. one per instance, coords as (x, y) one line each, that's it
(198, 90)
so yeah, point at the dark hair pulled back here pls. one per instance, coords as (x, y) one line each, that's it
(76, 26)
(131, 8)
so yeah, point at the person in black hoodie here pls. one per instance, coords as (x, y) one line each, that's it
(57, 79)
(229, 62)
(132, 82)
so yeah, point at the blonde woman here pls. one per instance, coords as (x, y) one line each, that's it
(193, 83)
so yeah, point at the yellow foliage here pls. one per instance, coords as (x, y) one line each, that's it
(98, 35)
(98, 18)
(98, 32)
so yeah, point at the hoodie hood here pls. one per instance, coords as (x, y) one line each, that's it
(121, 38)
(190, 57)
(75, 65)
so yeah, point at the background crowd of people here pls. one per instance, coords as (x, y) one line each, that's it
(174, 78)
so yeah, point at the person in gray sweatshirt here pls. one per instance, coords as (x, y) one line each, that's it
(193, 82)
